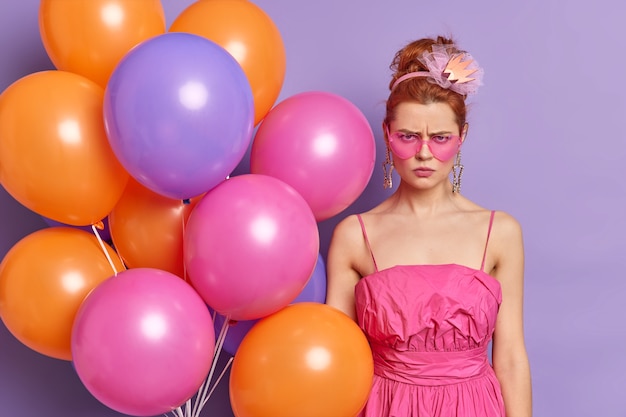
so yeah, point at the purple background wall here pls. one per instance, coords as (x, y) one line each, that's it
(545, 144)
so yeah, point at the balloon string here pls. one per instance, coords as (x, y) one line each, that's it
(222, 336)
(187, 408)
(188, 403)
(217, 381)
(203, 395)
(104, 249)
(177, 412)
(183, 239)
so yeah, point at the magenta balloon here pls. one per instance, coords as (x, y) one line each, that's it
(320, 144)
(143, 342)
(314, 291)
(179, 114)
(251, 244)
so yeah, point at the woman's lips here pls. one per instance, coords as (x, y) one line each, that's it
(423, 172)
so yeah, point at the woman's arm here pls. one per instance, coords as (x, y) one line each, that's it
(341, 274)
(510, 359)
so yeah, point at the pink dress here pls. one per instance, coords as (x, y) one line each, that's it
(429, 327)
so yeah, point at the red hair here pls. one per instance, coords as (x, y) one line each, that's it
(419, 89)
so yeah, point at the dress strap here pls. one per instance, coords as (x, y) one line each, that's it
(367, 242)
(482, 265)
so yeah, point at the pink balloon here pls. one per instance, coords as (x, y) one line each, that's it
(143, 342)
(320, 144)
(251, 244)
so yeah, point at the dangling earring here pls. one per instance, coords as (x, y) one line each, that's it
(457, 172)
(388, 170)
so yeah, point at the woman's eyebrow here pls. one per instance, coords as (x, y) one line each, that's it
(438, 133)
(409, 131)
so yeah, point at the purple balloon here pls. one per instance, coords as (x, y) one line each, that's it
(179, 114)
(315, 291)
(143, 342)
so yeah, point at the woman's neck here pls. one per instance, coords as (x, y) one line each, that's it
(424, 202)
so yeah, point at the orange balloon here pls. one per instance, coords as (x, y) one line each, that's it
(43, 280)
(306, 360)
(55, 157)
(90, 37)
(249, 35)
(147, 228)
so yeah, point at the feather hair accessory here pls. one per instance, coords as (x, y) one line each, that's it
(449, 68)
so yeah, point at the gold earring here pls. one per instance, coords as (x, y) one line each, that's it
(388, 170)
(457, 172)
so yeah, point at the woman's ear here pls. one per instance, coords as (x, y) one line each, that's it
(385, 132)
(464, 132)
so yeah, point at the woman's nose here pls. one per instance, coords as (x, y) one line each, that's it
(423, 152)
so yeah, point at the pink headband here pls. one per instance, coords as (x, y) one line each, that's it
(448, 68)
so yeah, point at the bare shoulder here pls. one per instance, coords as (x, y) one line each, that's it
(506, 245)
(347, 241)
(347, 231)
(348, 246)
(506, 227)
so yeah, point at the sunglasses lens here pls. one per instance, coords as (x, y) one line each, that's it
(444, 147)
(405, 146)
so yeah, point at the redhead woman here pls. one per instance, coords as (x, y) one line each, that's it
(432, 278)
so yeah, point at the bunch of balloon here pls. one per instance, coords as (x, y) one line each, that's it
(249, 35)
(173, 112)
(319, 143)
